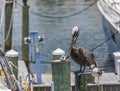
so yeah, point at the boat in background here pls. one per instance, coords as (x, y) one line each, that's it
(110, 10)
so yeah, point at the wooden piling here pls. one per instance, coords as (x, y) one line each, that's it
(81, 80)
(61, 75)
(13, 57)
(25, 33)
(108, 81)
(8, 24)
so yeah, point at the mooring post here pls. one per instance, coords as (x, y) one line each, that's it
(13, 58)
(81, 80)
(60, 72)
(8, 24)
(25, 33)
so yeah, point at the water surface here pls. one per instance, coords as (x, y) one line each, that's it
(55, 19)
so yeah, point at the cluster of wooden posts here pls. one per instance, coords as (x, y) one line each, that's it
(61, 78)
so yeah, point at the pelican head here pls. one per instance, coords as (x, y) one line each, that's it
(75, 32)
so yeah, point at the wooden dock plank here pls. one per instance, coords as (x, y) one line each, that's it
(107, 82)
(22, 70)
(108, 78)
(46, 83)
(47, 79)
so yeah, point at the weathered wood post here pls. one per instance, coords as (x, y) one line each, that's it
(8, 24)
(25, 32)
(13, 58)
(60, 72)
(81, 80)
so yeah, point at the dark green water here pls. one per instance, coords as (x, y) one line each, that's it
(55, 19)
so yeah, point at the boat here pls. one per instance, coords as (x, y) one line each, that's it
(110, 11)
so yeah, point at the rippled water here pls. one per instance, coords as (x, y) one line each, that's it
(55, 19)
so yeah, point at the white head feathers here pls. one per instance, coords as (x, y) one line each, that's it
(75, 29)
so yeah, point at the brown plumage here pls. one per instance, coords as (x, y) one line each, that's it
(81, 56)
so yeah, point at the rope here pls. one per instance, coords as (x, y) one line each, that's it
(9, 29)
(11, 20)
(13, 65)
(19, 3)
(104, 41)
(47, 16)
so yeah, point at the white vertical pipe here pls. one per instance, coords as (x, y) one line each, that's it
(116, 58)
(52, 86)
(118, 67)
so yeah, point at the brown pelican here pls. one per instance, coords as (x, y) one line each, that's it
(80, 55)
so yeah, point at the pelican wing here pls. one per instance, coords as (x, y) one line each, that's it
(88, 56)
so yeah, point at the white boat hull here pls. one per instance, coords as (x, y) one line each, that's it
(114, 40)
(111, 29)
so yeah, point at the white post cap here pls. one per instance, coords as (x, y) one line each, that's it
(75, 29)
(11, 53)
(58, 51)
(116, 54)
